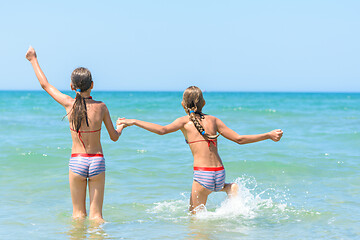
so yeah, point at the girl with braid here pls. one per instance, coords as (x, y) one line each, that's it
(87, 163)
(201, 132)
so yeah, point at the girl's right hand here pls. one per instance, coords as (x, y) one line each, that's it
(30, 54)
(276, 135)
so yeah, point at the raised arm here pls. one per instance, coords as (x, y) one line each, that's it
(61, 98)
(228, 133)
(114, 134)
(152, 127)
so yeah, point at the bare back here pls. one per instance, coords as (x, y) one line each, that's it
(205, 153)
(96, 111)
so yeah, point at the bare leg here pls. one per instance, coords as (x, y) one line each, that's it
(199, 195)
(96, 192)
(78, 194)
(232, 189)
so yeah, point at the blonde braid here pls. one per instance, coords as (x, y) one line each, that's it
(193, 101)
(196, 122)
(199, 127)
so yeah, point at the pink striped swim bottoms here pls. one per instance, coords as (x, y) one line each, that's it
(212, 178)
(87, 165)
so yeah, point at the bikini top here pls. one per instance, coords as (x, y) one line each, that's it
(213, 141)
(79, 132)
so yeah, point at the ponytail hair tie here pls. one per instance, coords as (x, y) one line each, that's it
(203, 133)
(191, 111)
(78, 90)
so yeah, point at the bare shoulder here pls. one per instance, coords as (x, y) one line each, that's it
(102, 106)
(99, 106)
(69, 101)
(214, 120)
(183, 120)
(211, 118)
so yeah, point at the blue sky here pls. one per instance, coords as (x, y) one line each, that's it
(168, 45)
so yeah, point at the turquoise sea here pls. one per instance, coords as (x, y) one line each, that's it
(307, 186)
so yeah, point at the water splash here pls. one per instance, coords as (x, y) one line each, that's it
(247, 205)
(170, 206)
(251, 203)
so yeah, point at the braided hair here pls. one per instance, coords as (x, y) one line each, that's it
(81, 80)
(193, 102)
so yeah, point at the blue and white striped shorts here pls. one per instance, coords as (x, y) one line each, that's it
(87, 165)
(212, 178)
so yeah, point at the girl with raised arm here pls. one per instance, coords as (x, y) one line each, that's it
(87, 163)
(201, 132)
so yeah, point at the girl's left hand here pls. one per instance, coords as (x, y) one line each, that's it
(126, 122)
(276, 135)
(30, 54)
(120, 126)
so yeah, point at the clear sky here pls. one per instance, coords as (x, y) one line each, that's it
(269, 45)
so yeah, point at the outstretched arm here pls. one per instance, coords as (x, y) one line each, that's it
(152, 127)
(114, 134)
(228, 133)
(61, 98)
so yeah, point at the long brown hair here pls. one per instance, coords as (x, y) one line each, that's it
(193, 102)
(81, 81)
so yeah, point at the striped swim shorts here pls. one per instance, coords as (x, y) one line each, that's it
(212, 178)
(87, 165)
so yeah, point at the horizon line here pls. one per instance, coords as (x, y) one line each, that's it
(204, 91)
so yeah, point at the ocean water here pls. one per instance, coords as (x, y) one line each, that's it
(307, 186)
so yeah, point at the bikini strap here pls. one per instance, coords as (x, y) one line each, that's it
(213, 141)
(79, 134)
(85, 131)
